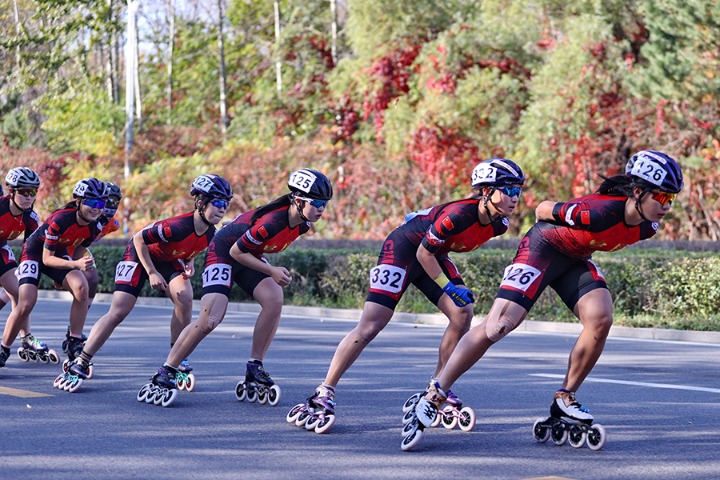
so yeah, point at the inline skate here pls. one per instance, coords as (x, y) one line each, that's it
(257, 386)
(75, 370)
(162, 388)
(33, 349)
(67, 339)
(317, 413)
(452, 415)
(569, 421)
(184, 377)
(3, 357)
(423, 415)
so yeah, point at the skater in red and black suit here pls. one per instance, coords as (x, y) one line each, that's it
(162, 254)
(556, 252)
(237, 256)
(417, 253)
(46, 251)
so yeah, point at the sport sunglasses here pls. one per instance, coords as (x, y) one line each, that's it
(219, 204)
(511, 191)
(314, 203)
(664, 198)
(27, 192)
(94, 202)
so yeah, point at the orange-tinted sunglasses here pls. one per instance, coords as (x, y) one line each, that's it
(664, 198)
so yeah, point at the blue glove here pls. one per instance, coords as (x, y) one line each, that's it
(460, 295)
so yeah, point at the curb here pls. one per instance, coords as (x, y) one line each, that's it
(533, 326)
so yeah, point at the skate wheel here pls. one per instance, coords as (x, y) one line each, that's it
(240, 391)
(295, 412)
(150, 397)
(58, 380)
(91, 371)
(74, 385)
(577, 436)
(274, 395)
(541, 433)
(262, 396)
(448, 417)
(558, 434)
(53, 356)
(412, 439)
(143, 392)
(66, 364)
(43, 358)
(159, 395)
(411, 402)
(190, 382)
(467, 419)
(252, 394)
(312, 421)
(168, 397)
(438, 418)
(64, 346)
(596, 437)
(302, 419)
(408, 417)
(325, 424)
(22, 354)
(31, 355)
(409, 427)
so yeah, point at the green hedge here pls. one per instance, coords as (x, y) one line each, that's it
(658, 288)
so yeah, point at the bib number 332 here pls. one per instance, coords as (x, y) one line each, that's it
(387, 278)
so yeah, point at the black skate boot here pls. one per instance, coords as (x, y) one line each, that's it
(162, 388)
(258, 386)
(3, 357)
(318, 411)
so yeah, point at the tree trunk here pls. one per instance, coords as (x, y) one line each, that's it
(171, 49)
(224, 120)
(278, 63)
(333, 31)
(130, 64)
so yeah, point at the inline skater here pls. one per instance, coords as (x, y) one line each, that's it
(17, 217)
(45, 251)
(236, 255)
(557, 251)
(417, 253)
(162, 254)
(108, 224)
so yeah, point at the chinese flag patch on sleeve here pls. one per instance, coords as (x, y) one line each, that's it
(585, 217)
(167, 232)
(447, 223)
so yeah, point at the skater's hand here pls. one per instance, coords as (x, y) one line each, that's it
(188, 269)
(157, 281)
(85, 263)
(281, 276)
(460, 295)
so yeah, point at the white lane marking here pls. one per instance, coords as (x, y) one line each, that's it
(637, 384)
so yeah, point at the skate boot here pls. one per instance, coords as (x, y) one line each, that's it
(162, 388)
(3, 357)
(317, 413)
(75, 346)
(185, 378)
(78, 371)
(425, 413)
(33, 349)
(569, 421)
(453, 414)
(257, 386)
(67, 339)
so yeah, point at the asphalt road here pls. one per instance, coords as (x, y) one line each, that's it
(659, 402)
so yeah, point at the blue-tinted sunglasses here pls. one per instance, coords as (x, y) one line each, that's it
(220, 204)
(314, 203)
(94, 202)
(511, 191)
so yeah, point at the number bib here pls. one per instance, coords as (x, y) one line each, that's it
(10, 254)
(28, 269)
(519, 276)
(217, 274)
(124, 271)
(387, 278)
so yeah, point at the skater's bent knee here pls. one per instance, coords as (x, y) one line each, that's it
(497, 328)
(211, 323)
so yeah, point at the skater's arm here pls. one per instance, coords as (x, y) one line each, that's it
(279, 274)
(156, 280)
(544, 211)
(429, 262)
(50, 260)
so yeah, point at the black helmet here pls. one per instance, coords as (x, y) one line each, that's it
(22, 177)
(497, 172)
(212, 186)
(89, 188)
(310, 184)
(113, 192)
(651, 170)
